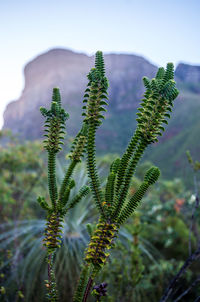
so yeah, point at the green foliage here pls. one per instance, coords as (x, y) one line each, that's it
(55, 124)
(23, 257)
(150, 178)
(125, 274)
(159, 244)
(116, 200)
(157, 104)
(78, 146)
(101, 240)
(164, 230)
(82, 284)
(113, 206)
(22, 177)
(195, 165)
(94, 97)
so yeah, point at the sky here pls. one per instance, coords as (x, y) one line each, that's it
(159, 30)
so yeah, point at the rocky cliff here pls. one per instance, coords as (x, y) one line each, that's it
(68, 71)
(188, 76)
(188, 73)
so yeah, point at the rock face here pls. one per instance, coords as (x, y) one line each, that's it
(68, 71)
(189, 76)
(188, 73)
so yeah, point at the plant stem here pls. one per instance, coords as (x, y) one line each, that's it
(52, 177)
(174, 281)
(66, 178)
(87, 290)
(92, 169)
(188, 289)
(53, 295)
(49, 268)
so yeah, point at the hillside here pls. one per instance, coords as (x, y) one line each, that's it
(67, 70)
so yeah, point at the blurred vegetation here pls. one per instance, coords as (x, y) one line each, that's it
(151, 248)
(22, 176)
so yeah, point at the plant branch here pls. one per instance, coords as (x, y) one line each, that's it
(87, 290)
(182, 270)
(187, 290)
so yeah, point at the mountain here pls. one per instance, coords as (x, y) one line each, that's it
(68, 70)
(189, 76)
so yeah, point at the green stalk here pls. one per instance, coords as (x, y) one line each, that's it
(82, 284)
(52, 177)
(127, 178)
(125, 159)
(65, 181)
(92, 170)
(51, 285)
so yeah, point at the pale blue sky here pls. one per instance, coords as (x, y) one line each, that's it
(161, 31)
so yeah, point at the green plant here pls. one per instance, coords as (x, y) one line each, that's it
(29, 271)
(22, 177)
(123, 276)
(193, 255)
(113, 205)
(60, 200)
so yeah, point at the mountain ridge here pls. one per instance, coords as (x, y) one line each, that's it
(68, 70)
